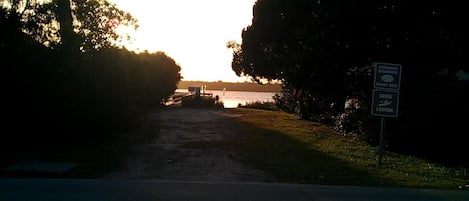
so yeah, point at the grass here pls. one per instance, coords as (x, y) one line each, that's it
(297, 151)
(357, 159)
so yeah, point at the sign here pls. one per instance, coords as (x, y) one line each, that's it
(387, 76)
(385, 103)
(385, 96)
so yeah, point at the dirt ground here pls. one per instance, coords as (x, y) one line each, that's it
(167, 159)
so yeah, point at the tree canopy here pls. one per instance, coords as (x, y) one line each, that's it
(302, 42)
(82, 24)
(65, 76)
(323, 52)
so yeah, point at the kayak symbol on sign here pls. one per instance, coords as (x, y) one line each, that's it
(384, 103)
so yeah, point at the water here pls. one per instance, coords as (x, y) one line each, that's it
(231, 99)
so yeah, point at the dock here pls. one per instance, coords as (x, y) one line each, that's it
(176, 98)
(194, 97)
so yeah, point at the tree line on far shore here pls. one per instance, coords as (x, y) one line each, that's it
(232, 86)
(323, 51)
(66, 80)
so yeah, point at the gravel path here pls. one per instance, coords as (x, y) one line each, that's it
(166, 158)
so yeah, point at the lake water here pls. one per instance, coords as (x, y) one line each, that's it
(231, 99)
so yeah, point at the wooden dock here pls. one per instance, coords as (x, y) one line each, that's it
(195, 96)
(177, 98)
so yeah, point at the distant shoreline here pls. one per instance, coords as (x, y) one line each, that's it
(232, 86)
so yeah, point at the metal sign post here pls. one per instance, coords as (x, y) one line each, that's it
(381, 142)
(385, 96)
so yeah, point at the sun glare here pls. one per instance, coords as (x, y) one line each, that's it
(193, 33)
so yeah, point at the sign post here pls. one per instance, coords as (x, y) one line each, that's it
(385, 100)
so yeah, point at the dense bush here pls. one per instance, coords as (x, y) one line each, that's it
(260, 105)
(53, 96)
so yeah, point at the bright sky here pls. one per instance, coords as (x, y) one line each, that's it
(193, 33)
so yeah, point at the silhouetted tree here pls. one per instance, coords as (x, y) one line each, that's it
(323, 51)
(288, 41)
(66, 78)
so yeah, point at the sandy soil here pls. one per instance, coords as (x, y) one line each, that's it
(165, 158)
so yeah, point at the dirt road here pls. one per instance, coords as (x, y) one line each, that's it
(168, 158)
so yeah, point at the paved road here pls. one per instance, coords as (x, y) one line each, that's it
(14, 189)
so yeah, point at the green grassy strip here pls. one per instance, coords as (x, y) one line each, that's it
(295, 150)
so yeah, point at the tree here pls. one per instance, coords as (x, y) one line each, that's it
(68, 80)
(78, 25)
(314, 47)
(323, 51)
(289, 41)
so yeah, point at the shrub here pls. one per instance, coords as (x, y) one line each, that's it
(266, 105)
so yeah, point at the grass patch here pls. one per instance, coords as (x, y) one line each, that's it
(299, 151)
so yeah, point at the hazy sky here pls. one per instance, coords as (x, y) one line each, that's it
(193, 33)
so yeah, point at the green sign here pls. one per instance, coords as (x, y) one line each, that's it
(387, 76)
(385, 103)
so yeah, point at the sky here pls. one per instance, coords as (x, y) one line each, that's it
(193, 33)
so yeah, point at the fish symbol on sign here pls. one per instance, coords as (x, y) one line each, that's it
(387, 78)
